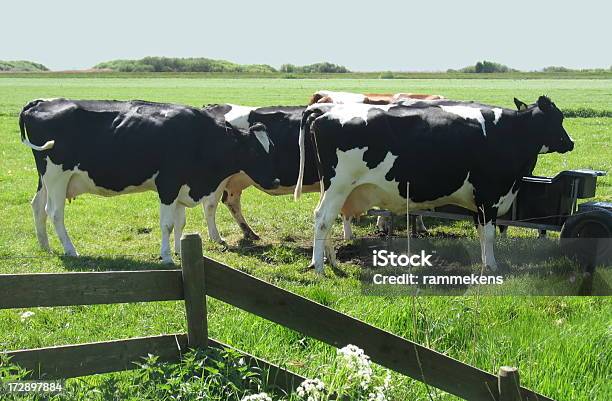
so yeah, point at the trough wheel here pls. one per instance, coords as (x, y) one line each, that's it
(587, 237)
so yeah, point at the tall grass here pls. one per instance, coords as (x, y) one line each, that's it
(562, 346)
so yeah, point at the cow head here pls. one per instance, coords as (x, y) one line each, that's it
(553, 136)
(258, 156)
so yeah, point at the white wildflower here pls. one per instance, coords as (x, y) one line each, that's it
(26, 315)
(358, 362)
(257, 397)
(377, 395)
(387, 382)
(311, 390)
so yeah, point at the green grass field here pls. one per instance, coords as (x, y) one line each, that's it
(561, 345)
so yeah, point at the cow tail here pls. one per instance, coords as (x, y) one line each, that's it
(24, 137)
(300, 179)
(307, 118)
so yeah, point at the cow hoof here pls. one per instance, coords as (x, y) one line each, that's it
(251, 236)
(308, 268)
(71, 253)
(166, 260)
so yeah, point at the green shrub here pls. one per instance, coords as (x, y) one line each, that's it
(553, 68)
(387, 75)
(485, 67)
(21, 65)
(170, 64)
(321, 68)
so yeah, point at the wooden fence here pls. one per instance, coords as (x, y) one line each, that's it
(200, 277)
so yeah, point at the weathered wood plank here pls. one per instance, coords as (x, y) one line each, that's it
(193, 286)
(89, 288)
(101, 357)
(111, 356)
(332, 327)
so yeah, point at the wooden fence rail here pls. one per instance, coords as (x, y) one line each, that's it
(201, 276)
(112, 356)
(325, 324)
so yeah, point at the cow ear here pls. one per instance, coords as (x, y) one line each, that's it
(260, 132)
(520, 106)
(257, 127)
(544, 103)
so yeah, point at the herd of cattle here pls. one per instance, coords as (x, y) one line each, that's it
(360, 150)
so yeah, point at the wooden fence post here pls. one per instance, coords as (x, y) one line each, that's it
(508, 384)
(192, 263)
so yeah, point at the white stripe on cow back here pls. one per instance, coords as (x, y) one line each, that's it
(346, 112)
(238, 115)
(343, 97)
(466, 112)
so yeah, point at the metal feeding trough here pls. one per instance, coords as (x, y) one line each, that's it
(551, 204)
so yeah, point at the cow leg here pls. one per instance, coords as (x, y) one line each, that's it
(347, 229)
(56, 203)
(420, 226)
(486, 233)
(382, 224)
(167, 218)
(325, 214)
(179, 225)
(330, 253)
(231, 199)
(503, 231)
(210, 203)
(40, 215)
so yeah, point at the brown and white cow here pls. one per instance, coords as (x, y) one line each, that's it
(324, 96)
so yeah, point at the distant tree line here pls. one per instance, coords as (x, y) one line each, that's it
(490, 66)
(323, 67)
(554, 68)
(485, 67)
(173, 64)
(21, 65)
(201, 64)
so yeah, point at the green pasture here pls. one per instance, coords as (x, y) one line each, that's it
(562, 345)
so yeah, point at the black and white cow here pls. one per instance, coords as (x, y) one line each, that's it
(283, 126)
(458, 153)
(111, 148)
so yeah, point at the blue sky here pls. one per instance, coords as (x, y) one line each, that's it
(363, 35)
